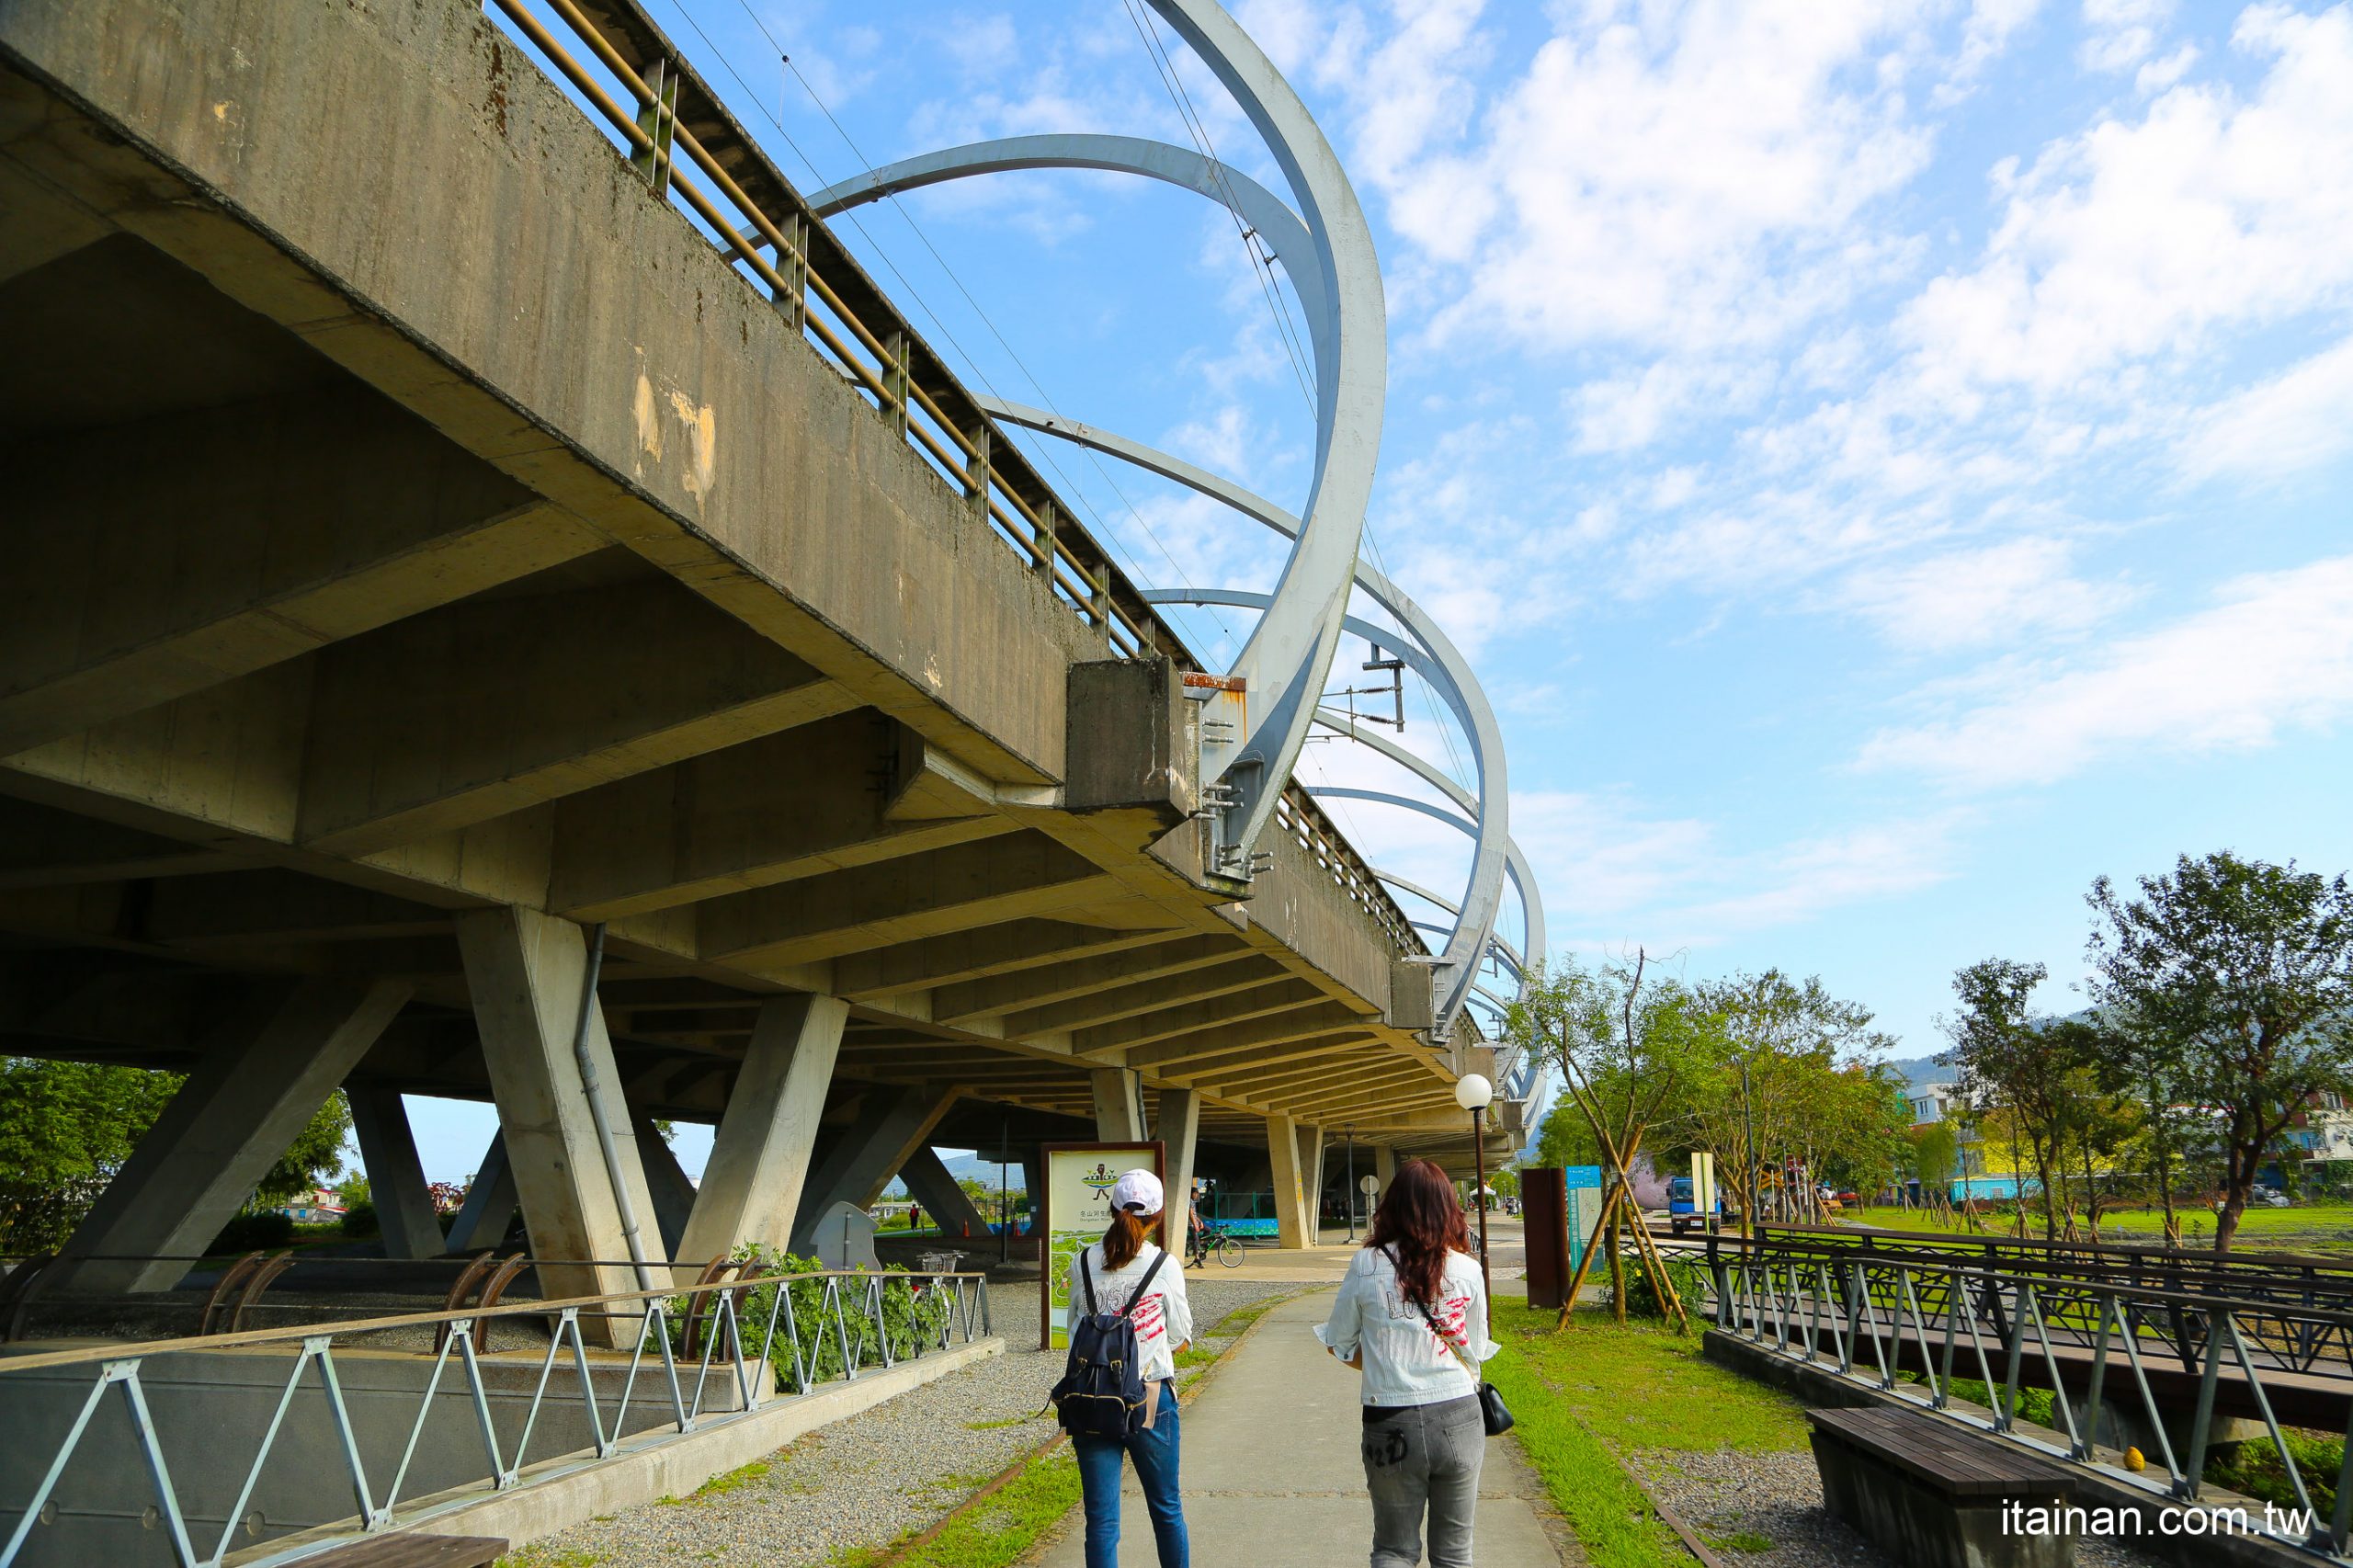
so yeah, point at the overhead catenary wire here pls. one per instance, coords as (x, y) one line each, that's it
(1262, 268)
(1262, 264)
(1041, 450)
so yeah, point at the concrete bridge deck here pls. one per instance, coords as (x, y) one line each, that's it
(423, 545)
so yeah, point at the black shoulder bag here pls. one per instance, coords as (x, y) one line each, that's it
(1494, 1416)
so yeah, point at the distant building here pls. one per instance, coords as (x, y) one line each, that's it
(320, 1206)
(2324, 1128)
(1933, 1102)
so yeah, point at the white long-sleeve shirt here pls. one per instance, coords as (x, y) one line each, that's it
(1163, 1318)
(1404, 1363)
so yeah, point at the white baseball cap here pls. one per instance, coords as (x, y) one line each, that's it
(1137, 1191)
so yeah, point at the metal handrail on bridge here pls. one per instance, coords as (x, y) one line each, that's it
(855, 325)
(851, 1317)
(1868, 1315)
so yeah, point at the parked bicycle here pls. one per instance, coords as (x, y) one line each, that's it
(1209, 1240)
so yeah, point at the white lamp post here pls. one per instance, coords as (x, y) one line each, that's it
(1474, 1093)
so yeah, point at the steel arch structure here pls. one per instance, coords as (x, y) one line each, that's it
(1325, 251)
(1280, 673)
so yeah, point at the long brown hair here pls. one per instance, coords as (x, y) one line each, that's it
(1420, 1220)
(1124, 1238)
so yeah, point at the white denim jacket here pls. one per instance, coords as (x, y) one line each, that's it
(1404, 1363)
(1164, 1319)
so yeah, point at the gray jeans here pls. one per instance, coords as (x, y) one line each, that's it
(1422, 1456)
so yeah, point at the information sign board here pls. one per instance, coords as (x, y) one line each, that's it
(1078, 1209)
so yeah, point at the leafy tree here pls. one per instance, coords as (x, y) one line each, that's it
(67, 1127)
(1812, 1088)
(1506, 1182)
(315, 1157)
(69, 1121)
(2012, 1075)
(2098, 1118)
(1625, 1042)
(1935, 1150)
(1565, 1138)
(2239, 975)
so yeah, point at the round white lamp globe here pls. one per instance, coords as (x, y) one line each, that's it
(1474, 1093)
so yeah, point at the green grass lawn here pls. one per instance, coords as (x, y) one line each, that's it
(2328, 1223)
(1594, 1390)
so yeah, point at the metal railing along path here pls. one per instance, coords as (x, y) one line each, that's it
(1872, 1317)
(843, 1322)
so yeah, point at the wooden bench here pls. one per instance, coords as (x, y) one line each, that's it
(409, 1550)
(1934, 1494)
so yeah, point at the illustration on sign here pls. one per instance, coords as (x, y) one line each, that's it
(1079, 1177)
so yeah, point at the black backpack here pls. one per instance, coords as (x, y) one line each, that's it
(1101, 1393)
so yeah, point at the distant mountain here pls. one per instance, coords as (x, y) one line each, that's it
(1919, 1069)
(960, 1166)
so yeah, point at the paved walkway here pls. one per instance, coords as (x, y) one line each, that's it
(1272, 1476)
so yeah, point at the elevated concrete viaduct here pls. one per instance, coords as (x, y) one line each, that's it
(425, 546)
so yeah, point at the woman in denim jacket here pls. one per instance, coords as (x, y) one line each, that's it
(1413, 1317)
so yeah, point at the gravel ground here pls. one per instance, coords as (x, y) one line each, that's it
(872, 1478)
(1779, 1496)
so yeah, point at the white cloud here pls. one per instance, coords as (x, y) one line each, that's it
(2139, 238)
(2118, 34)
(2294, 420)
(2275, 653)
(1859, 866)
(1683, 178)
(1991, 26)
(1999, 594)
(1613, 874)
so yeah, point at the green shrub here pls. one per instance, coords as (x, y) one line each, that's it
(1689, 1279)
(2255, 1469)
(359, 1219)
(254, 1232)
(912, 1321)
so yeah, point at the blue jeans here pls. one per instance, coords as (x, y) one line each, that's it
(1155, 1453)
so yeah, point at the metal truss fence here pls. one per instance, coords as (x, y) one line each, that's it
(1873, 1316)
(695, 1346)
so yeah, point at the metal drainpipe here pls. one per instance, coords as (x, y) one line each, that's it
(590, 1086)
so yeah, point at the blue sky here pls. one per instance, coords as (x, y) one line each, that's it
(1886, 460)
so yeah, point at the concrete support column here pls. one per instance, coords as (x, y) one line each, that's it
(1311, 1179)
(1118, 1107)
(929, 1184)
(761, 1157)
(1179, 1126)
(891, 1125)
(237, 1114)
(525, 971)
(666, 1181)
(488, 1212)
(1385, 1163)
(395, 1176)
(1291, 1228)
(1033, 1184)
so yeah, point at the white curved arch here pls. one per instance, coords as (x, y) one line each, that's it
(1489, 861)
(1288, 657)
(1326, 248)
(1265, 211)
(1442, 665)
(1523, 878)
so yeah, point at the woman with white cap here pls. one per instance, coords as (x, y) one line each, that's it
(1116, 1266)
